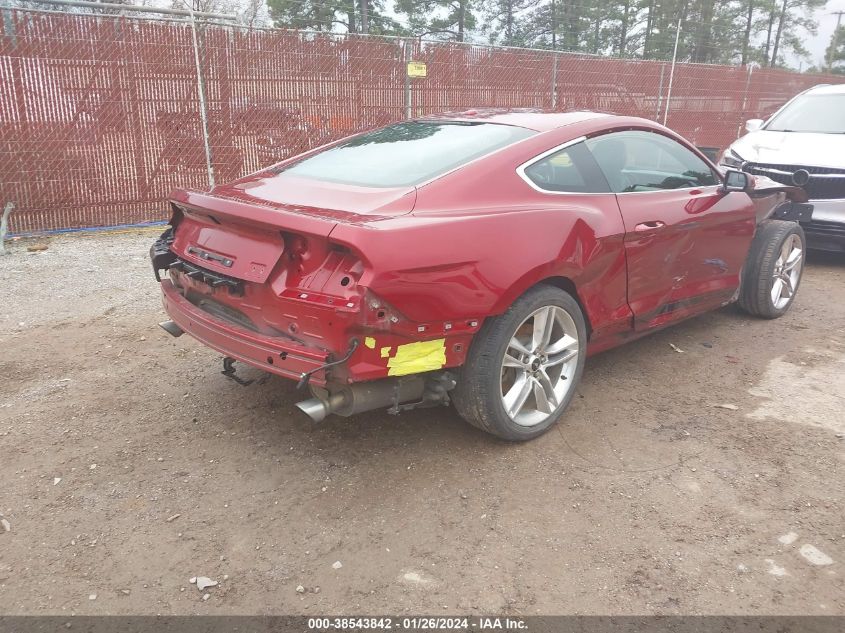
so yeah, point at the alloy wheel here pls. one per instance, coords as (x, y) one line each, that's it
(538, 366)
(787, 271)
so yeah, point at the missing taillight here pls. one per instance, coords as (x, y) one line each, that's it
(176, 215)
(296, 245)
(296, 250)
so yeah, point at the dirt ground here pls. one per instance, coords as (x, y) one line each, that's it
(129, 465)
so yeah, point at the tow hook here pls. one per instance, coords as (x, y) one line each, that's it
(229, 372)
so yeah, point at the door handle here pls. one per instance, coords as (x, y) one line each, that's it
(649, 226)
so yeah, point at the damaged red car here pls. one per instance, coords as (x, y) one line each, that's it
(473, 259)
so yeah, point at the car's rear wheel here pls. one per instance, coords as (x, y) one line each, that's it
(521, 371)
(773, 271)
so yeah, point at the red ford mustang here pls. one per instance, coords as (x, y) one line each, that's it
(475, 258)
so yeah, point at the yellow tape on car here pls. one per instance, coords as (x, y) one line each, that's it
(413, 358)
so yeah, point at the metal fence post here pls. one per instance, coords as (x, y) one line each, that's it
(554, 81)
(406, 57)
(672, 72)
(201, 94)
(744, 108)
(660, 93)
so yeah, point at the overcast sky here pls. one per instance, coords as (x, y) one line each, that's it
(827, 23)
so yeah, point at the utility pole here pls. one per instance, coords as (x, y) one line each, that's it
(835, 39)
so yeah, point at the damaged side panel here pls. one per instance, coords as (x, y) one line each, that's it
(783, 202)
(486, 259)
(415, 358)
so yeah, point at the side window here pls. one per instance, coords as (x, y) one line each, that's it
(571, 170)
(647, 161)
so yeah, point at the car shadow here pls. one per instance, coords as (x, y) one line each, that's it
(621, 416)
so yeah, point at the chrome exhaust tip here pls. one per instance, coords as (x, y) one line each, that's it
(171, 328)
(314, 408)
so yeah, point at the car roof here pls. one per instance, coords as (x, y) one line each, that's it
(826, 89)
(538, 120)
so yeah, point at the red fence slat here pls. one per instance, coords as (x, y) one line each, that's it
(100, 115)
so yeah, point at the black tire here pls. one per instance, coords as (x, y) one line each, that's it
(478, 396)
(759, 276)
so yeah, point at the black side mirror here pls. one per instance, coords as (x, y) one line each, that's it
(736, 181)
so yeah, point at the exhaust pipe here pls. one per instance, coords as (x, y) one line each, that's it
(318, 408)
(361, 397)
(314, 408)
(171, 328)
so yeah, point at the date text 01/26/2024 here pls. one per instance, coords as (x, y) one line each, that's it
(416, 624)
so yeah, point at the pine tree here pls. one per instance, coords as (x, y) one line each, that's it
(333, 15)
(792, 21)
(443, 19)
(712, 31)
(502, 18)
(835, 53)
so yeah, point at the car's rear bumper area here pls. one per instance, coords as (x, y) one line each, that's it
(277, 355)
(826, 231)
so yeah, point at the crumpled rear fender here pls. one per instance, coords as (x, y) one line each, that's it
(446, 268)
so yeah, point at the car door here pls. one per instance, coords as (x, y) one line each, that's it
(685, 238)
(567, 180)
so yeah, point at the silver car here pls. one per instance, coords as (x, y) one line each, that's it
(803, 144)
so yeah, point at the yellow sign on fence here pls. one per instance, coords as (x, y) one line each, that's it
(416, 69)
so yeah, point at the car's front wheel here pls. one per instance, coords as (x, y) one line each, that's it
(521, 371)
(773, 270)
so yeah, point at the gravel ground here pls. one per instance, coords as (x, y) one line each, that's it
(129, 465)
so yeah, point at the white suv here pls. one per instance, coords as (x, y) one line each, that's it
(803, 144)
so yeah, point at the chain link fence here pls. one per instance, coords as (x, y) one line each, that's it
(101, 116)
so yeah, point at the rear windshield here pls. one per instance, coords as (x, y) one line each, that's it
(812, 113)
(406, 153)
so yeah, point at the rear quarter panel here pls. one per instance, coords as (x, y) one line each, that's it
(480, 237)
